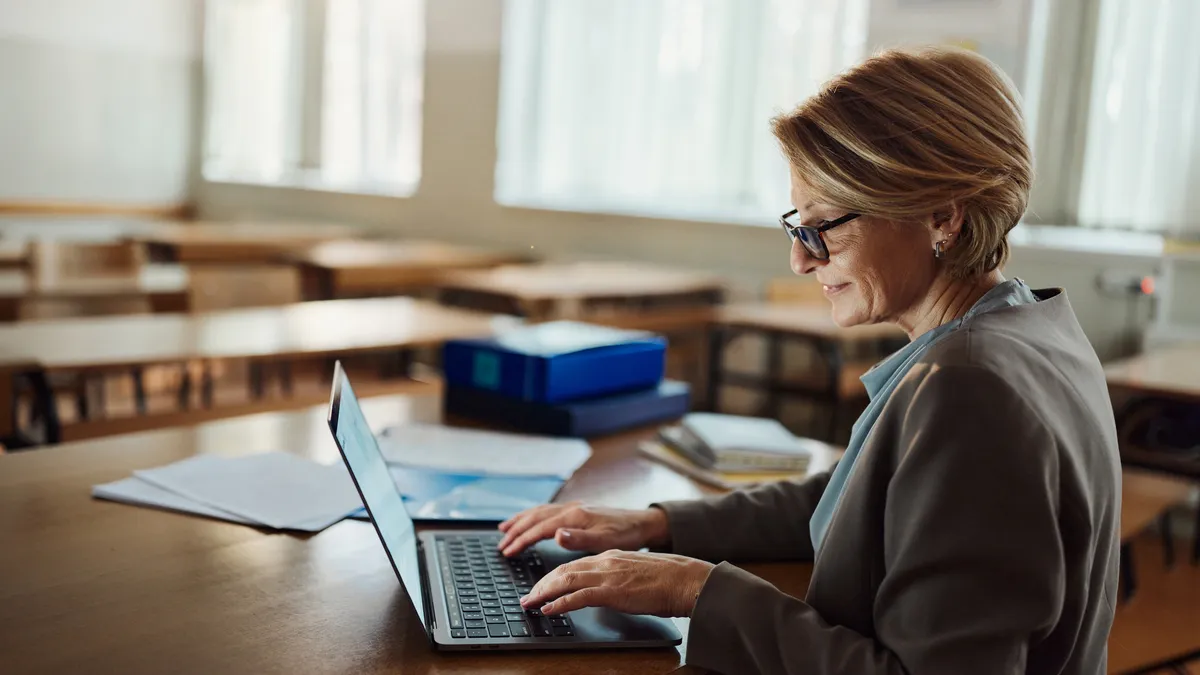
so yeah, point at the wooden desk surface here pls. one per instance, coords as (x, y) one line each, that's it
(302, 329)
(93, 586)
(238, 242)
(555, 281)
(152, 280)
(1172, 372)
(801, 319)
(360, 265)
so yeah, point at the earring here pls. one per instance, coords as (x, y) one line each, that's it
(938, 251)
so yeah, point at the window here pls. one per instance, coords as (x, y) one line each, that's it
(314, 93)
(1142, 150)
(661, 107)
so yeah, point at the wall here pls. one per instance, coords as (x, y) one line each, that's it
(97, 100)
(454, 201)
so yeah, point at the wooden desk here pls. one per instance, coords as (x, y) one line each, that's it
(14, 254)
(228, 242)
(265, 337)
(1172, 372)
(580, 290)
(779, 323)
(157, 288)
(357, 268)
(93, 586)
(1147, 497)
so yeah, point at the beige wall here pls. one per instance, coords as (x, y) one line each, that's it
(98, 100)
(454, 201)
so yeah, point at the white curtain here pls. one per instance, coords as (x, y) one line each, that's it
(1142, 158)
(661, 106)
(323, 93)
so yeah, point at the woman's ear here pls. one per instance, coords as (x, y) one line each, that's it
(948, 224)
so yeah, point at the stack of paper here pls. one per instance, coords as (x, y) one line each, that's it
(275, 490)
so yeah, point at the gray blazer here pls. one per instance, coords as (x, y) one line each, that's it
(978, 533)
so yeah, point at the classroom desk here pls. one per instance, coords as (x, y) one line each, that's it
(231, 242)
(162, 288)
(266, 337)
(14, 254)
(1172, 372)
(782, 322)
(356, 268)
(580, 290)
(93, 586)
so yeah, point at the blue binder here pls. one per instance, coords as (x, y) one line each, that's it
(556, 362)
(593, 417)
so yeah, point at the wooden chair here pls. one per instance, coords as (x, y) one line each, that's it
(218, 287)
(1147, 498)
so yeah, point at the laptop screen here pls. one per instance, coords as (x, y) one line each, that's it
(384, 504)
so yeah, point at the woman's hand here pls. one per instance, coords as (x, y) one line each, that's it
(584, 528)
(637, 583)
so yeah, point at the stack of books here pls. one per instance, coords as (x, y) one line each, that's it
(562, 378)
(731, 451)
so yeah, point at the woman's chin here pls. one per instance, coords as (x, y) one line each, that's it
(846, 316)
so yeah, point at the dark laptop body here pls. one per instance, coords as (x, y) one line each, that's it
(465, 593)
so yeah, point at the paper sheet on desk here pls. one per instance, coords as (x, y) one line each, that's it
(483, 453)
(276, 489)
(138, 492)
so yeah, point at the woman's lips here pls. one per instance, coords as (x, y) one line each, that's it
(834, 289)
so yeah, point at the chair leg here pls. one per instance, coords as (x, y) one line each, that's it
(139, 389)
(1168, 542)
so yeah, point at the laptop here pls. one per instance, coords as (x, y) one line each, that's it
(465, 593)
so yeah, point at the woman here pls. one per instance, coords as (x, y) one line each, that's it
(971, 526)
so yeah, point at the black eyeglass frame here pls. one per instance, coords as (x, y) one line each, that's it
(816, 230)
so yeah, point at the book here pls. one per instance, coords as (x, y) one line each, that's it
(736, 442)
(722, 480)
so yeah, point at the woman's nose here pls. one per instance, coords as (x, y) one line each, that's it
(802, 261)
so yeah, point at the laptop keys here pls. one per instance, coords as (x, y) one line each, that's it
(495, 619)
(498, 630)
(458, 633)
(518, 629)
(477, 632)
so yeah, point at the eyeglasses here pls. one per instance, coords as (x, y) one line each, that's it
(810, 235)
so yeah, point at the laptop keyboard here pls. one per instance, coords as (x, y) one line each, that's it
(484, 590)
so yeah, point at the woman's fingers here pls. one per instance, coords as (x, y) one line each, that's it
(537, 532)
(518, 524)
(592, 596)
(563, 580)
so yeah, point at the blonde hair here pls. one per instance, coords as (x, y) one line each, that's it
(907, 134)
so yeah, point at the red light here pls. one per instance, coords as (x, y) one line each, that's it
(1147, 285)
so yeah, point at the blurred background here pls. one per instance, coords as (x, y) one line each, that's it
(203, 203)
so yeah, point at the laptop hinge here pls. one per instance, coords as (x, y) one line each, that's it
(426, 592)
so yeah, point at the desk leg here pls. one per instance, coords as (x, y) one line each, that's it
(774, 375)
(184, 395)
(81, 398)
(44, 406)
(1196, 540)
(831, 351)
(206, 384)
(716, 355)
(257, 380)
(286, 382)
(1128, 579)
(139, 389)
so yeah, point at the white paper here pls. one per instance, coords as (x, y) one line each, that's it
(482, 453)
(138, 492)
(275, 489)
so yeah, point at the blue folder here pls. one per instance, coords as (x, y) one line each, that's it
(669, 400)
(435, 496)
(556, 361)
